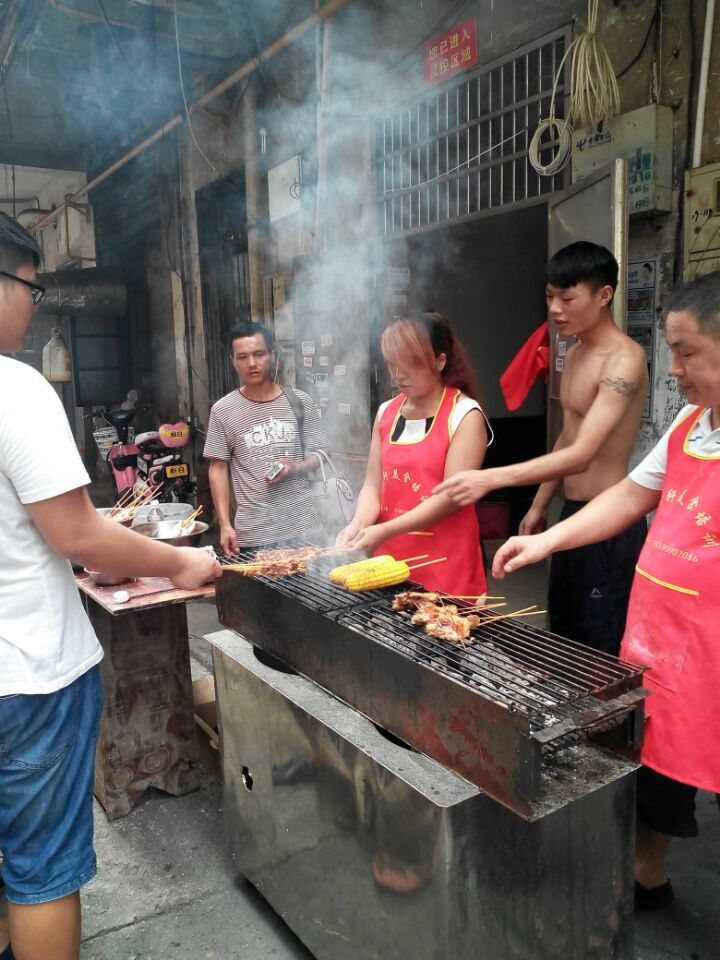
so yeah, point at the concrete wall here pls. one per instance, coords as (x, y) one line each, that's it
(39, 187)
(71, 240)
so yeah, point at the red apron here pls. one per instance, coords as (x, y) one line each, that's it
(410, 471)
(673, 617)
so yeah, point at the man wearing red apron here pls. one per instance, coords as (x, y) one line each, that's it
(410, 471)
(675, 602)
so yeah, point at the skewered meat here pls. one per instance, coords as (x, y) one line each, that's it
(410, 600)
(278, 563)
(289, 555)
(442, 621)
(451, 626)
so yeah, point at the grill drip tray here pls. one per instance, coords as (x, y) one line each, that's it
(370, 850)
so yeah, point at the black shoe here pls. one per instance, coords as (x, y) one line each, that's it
(650, 898)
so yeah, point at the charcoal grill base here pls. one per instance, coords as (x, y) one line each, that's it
(321, 808)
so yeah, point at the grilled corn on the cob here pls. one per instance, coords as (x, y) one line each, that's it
(340, 574)
(387, 575)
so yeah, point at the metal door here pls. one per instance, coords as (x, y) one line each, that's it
(594, 209)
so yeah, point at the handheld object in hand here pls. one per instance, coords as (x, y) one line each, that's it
(274, 470)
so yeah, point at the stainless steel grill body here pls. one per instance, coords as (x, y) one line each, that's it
(320, 807)
(493, 712)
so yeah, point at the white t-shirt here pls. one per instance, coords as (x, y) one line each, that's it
(415, 430)
(650, 472)
(46, 640)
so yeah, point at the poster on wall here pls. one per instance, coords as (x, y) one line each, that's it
(642, 315)
(286, 362)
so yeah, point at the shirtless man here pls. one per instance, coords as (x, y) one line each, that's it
(602, 394)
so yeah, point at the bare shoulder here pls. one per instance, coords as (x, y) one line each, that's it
(624, 369)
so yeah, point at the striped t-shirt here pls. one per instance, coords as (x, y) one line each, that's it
(250, 435)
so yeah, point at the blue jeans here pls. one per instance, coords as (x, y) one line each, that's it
(47, 763)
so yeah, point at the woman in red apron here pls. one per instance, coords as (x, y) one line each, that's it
(434, 428)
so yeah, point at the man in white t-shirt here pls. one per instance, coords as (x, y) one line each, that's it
(50, 695)
(674, 608)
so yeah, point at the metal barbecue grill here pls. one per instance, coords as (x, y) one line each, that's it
(494, 710)
(327, 805)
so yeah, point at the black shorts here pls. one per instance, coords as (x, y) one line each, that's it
(666, 805)
(589, 587)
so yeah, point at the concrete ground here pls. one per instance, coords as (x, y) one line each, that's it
(166, 888)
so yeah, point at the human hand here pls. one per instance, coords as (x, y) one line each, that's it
(197, 567)
(287, 469)
(465, 487)
(519, 552)
(347, 535)
(369, 538)
(228, 541)
(534, 521)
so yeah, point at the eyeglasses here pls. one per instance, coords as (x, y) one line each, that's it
(36, 291)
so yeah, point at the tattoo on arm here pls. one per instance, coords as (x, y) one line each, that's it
(625, 388)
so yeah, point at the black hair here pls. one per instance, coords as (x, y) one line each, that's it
(17, 247)
(248, 328)
(701, 298)
(582, 262)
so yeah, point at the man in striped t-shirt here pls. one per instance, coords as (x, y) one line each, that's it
(250, 430)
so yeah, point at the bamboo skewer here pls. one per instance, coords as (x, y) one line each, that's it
(189, 522)
(130, 502)
(472, 596)
(120, 504)
(526, 612)
(478, 609)
(427, 563)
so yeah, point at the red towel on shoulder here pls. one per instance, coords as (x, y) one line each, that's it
(531, 360)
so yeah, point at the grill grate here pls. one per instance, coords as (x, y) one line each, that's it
(313, 588)
(544, 677)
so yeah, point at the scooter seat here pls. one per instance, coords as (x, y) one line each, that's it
(120, 419)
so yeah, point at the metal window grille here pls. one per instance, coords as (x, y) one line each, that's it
(462, 152)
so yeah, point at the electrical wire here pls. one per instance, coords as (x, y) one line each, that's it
(594, 96)
(182, 91)
(132, 71)
(653, 21)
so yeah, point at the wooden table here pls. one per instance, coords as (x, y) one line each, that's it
(147, 732)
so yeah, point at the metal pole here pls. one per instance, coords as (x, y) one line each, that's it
(253, 203)
(327, 10)
(702, 85)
